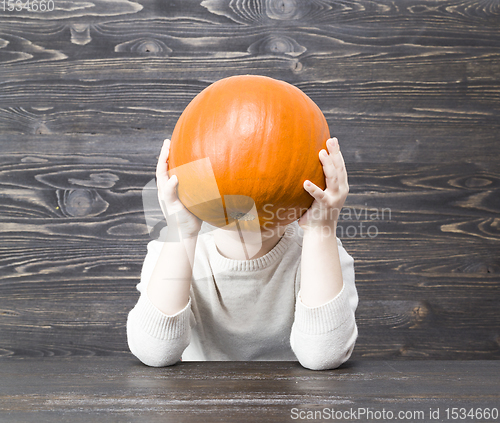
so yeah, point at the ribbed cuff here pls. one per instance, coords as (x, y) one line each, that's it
(324, 318)
(158, 324)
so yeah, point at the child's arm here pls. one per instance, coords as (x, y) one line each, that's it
(324, 330)
(169, 286)
(158, 328)
(321, 275)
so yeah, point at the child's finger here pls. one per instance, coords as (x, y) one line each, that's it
(316, 192)
(169, 191)
(337, 159)
(329, 170)
(162, 167)
(328, 165)
(341, 169)
(167, 195)
(334, 150)
(332, 145)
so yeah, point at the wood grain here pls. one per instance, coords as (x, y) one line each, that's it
(411, 89)
(83, 259)
(46, 389)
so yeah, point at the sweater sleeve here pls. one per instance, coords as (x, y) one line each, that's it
(323, 337)
(153, 337)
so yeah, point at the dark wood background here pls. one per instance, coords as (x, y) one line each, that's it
(411, 88)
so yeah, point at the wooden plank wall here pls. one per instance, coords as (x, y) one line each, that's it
(411, 88)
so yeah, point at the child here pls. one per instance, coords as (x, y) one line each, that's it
(293, 300)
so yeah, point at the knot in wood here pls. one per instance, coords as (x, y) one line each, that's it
(81, 202)
(78, 202)
(41, 129)
(80, 34)
(282, 9)
(144, 46)
(277, 45)
(149, 46)
(280, 45)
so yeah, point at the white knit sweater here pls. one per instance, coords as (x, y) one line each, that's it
(246, 310)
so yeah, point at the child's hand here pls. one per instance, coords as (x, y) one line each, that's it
(325, 209)
(186, 223)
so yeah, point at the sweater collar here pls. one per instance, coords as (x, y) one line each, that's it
(223, 263)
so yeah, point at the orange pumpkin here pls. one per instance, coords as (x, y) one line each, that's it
(243, 148)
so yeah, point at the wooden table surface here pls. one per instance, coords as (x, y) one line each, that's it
(84, 389)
